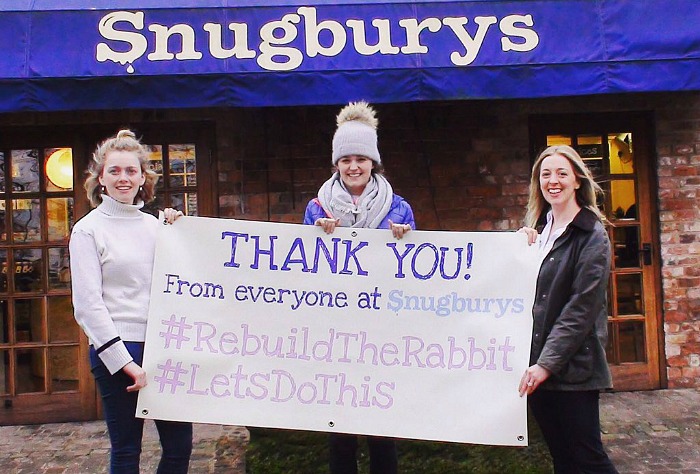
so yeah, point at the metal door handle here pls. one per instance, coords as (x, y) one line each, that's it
(646, 253)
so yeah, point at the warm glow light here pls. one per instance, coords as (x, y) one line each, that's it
(59, 168)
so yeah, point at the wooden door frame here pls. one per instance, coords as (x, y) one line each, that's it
(33, 408)
(642, 123)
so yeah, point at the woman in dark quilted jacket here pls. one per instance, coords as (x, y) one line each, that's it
(358, 195)
(568, 367)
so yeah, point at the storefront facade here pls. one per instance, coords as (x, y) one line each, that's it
(237, 105)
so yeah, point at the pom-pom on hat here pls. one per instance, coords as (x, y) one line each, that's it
(356, 133)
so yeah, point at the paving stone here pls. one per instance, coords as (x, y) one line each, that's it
(644, 432)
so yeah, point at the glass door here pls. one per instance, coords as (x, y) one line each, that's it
(42, 369)
(618, 153)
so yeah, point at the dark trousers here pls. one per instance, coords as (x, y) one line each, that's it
(126, 431)
(383, 458)
(570, 423)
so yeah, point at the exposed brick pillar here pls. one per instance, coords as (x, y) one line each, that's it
(679, 214)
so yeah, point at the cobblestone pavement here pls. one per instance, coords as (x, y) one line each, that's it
(653, 432)
(645, 432)
(83, 448)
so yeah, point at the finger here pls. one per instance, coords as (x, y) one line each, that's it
(523, 389)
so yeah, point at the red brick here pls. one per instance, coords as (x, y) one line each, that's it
(675, 317)
(688, 282)
(677, 361)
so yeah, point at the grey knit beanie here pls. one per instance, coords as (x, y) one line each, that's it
(356, 133)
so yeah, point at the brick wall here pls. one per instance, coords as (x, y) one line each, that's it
(678, 147)
(450, 160)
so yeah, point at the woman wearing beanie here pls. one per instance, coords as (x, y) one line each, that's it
(358, 195)
(112, 250)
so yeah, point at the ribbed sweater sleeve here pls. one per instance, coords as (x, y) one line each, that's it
(89, 307)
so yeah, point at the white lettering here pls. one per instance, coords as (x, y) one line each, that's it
(279, 48)
(240, 48)
(313, 31)
(413, 30)
(137, 41)
(359, 38)
(530, 37)
(163, 34)
(472, 45)
(269, 47)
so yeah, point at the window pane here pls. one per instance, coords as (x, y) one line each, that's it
(626, 244)
(29, 376)
(623, 199)
(60, 217)
(621, 154)
(3, 228)
(59, 169)
(63, 367)
(25, 170)
(596, 167)
(589, 146)
(558, 140)
(631, 335)
(29, 320)
(3, 276)
(5, 373)
(4, 323)
(629, 294)
(185, 202)
(26, 220)
(59, 269)
(155, 157)
(610, 345)
(62, 325)
(2, 171)
(182, 165)
(28, 270)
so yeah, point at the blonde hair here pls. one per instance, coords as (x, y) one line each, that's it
(124, 140)
(586, 195)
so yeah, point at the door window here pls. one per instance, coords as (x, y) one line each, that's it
(618, 150)
(39, 339)
(176, 167)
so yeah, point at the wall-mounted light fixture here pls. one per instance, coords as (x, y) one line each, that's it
(59, 168)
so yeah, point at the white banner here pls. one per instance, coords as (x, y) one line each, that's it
(280, 325)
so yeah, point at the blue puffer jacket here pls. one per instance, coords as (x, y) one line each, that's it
(399, 213)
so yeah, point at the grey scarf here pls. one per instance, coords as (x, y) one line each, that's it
(372, 206)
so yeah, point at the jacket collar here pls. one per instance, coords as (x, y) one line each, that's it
(585, 220)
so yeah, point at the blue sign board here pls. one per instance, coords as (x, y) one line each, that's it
(80, 54)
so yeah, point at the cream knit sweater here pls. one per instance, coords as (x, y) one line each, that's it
(111, 260)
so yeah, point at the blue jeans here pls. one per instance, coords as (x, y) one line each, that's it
(126, 431)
